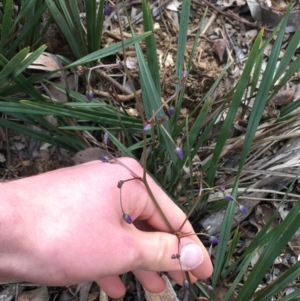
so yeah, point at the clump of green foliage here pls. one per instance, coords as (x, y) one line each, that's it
(23, 103)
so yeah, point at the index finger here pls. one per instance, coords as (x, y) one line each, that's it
(155, 206)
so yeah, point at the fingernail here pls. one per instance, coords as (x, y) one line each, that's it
(191, 256)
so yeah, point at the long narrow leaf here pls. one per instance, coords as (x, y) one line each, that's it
(112, 49)
(6, 23)
(9, 70)
(151, 50)
(262, 95)
(60, 141)
(225, 230)
(280, 283)
(283, 233)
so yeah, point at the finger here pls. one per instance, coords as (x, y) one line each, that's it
(113, 286)
(151, 281)
(154, 250)
(178, 277)
(144, 207)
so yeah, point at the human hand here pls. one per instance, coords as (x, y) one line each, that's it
(72, 230)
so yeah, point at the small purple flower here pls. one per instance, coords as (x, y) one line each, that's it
(186, 284)
(179, 153)
(104, 158)
(127, 218)
(147, 127)
(184, 73)
(243, 209)
(105, 138)
(108, 10)
(89, 94)
(171, 111)
(222, 188)
(228, 197)
(214, 240)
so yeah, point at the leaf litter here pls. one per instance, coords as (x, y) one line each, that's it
(273, 162)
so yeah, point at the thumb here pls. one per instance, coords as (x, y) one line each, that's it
(155, 250)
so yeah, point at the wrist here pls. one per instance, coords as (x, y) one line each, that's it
(13, 234)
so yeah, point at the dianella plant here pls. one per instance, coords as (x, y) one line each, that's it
(165, 143)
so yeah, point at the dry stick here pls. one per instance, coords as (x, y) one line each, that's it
(112, 81)
(141, 111)
(119, 98)
(232, 14)
(192, 210)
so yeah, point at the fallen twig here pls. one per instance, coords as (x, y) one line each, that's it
(230, 13)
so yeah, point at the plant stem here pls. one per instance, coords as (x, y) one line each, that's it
(139, 106)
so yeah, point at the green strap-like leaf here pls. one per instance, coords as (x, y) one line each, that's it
(110, 50)
(6, 23)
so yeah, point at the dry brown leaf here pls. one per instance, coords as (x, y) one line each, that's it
(9, 292)
(83, 289)
(220, 291)
(103, 296)
(284, 97)
(271, 17)
(228, 3)
(71, 84)
(87, 155)
(46, 61)
(2, 158)
(39, 294)
(173, 6)
(168, 294)
(219, 49)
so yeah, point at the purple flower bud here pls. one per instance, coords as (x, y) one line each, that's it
(171, 111)
(214, 240)
(179, 153)
(228, 197)
(184, 73)
(120, 184)
(104, 158)
(147, 127)
(108, 10)
(222, 188)
(186, 284)
(127, 218)
(105, 138)
(89, 94)
(243, 209)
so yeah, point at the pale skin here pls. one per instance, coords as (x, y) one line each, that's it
(65, 227)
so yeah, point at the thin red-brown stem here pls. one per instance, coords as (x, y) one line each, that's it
(141, 111)
(120, 185)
